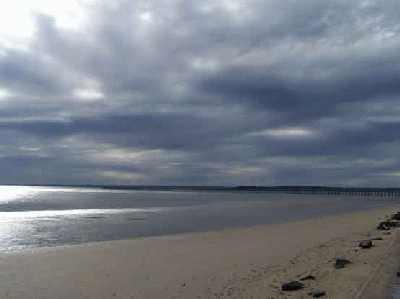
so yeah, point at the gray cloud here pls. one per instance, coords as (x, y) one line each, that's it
(238, 92)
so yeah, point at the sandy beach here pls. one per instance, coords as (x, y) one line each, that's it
(235, 263)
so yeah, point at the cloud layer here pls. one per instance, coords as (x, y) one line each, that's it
(217, 93)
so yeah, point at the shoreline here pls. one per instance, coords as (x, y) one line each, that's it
(230, 229)
(231, 263)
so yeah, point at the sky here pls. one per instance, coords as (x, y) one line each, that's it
(254, 92)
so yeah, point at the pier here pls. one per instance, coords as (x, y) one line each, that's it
(345, 191)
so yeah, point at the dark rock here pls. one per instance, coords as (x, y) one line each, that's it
(308, 277)
(390, 223)
(317, 293)
(396, 216)
(386, 225)
(340, 263)
(292, 286)
(365, 244)
(398, 274)
(382, 226)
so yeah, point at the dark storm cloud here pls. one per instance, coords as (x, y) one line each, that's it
(25, 73)
(227, 92)
(151, 130)
(307, 97)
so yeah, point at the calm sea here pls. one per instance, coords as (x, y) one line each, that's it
(51, 216)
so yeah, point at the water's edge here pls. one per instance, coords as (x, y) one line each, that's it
(33, 217)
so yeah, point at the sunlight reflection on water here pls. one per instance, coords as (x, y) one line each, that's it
(8, 193)
(11, 216)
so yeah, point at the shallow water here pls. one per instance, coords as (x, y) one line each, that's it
(43, 216)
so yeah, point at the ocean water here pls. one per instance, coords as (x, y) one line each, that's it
(33, 217)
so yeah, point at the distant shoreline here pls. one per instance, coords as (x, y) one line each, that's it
(300, 189)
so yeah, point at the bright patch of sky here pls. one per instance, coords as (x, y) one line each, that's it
(290, 132)
(17, 18)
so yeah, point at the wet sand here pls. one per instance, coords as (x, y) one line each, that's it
(235, 263)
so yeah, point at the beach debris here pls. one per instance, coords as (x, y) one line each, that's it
(292, 286)
(308, 277)
(317, 293)
(392, 223)
(386, 225)
(365, 244)
(387, 233)
(340, 263)
(396, 216)
(382, 226)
